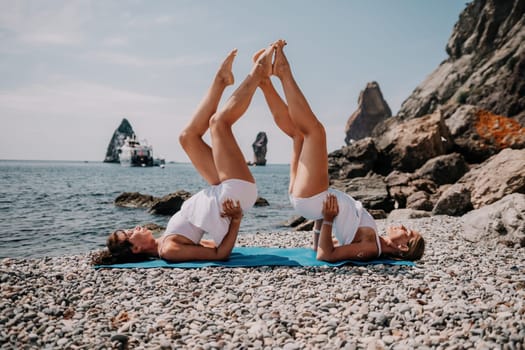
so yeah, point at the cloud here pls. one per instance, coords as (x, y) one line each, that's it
(115, 41)
(125, 59)
(36, 23)
(79, 98)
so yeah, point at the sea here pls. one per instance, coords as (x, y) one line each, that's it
(55, 208)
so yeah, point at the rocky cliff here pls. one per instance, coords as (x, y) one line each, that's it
(485, 67)
(456, 145)
(117, 140)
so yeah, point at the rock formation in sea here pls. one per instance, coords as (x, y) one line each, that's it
(117, 140)
(259, 149)
(372, 109)
(456, 146)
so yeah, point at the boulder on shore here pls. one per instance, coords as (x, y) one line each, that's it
(502, 221)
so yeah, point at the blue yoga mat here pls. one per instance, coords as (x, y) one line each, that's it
(258, 256)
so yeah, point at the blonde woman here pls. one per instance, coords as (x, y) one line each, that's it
(336, 213)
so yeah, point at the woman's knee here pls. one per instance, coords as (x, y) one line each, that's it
(218, 123)
(187, 136)
(314, 128)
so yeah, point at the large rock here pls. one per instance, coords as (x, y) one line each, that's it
(134, 200)
(445, 169)
(407, 145)
(166, 205)
(169, 204)
(409, 191)
(497, 177)
(485, 67)
(355, 160)
(117, 140)
(259, 149)
(454, 201)
(370, 190)
(502, 221)
(372, 109)
(479, 134)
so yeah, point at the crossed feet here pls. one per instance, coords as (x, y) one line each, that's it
(263, 66)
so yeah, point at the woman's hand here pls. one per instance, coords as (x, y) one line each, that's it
(231, 209)
(330, 208)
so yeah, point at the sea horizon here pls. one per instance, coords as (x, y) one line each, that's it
(56, 207)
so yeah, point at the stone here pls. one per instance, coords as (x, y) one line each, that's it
(372, 109)
(405, 214)
(370, 190)
(454, 201)
(407, 145)
(134, 200)
(445, 169)
(261, 202)
(169, 204)
(478, 134)
(420, 200)
(354, 160)
(503, 220)
(502, 174)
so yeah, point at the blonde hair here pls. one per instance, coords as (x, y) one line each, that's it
(416, 248)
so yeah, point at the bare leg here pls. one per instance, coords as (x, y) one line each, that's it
(229, 160)
(191, 140)
(312, 168)
(281, 116)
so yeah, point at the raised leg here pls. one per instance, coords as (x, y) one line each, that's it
(281, 116)
(228, 158)
(312, 169)
(191, 140)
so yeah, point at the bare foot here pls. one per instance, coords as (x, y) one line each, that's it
(266, 80)
(225, 73)
(263, 62)
(280, 66)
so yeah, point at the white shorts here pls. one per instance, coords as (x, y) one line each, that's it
(204, 208)
(351, 215)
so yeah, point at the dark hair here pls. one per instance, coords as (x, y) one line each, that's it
(117, 252)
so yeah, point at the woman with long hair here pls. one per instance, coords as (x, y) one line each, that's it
(335, 212)
(218, 209)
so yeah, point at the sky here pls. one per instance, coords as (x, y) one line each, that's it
(70, 71)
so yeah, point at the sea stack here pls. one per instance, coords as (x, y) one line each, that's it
(124, 130)
(259, 149)
(372, 109)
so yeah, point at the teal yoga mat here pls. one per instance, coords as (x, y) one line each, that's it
(257, 256)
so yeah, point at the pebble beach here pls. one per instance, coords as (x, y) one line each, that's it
(459, 296)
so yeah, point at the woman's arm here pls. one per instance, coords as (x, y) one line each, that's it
(185, 252)
(326, 244)
(327, 251)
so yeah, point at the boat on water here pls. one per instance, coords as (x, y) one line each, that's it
(135, 153)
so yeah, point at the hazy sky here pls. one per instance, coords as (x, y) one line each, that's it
(71, 70)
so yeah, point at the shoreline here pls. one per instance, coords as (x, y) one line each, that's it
(460, 295)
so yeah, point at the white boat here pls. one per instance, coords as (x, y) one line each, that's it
(134, 153)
